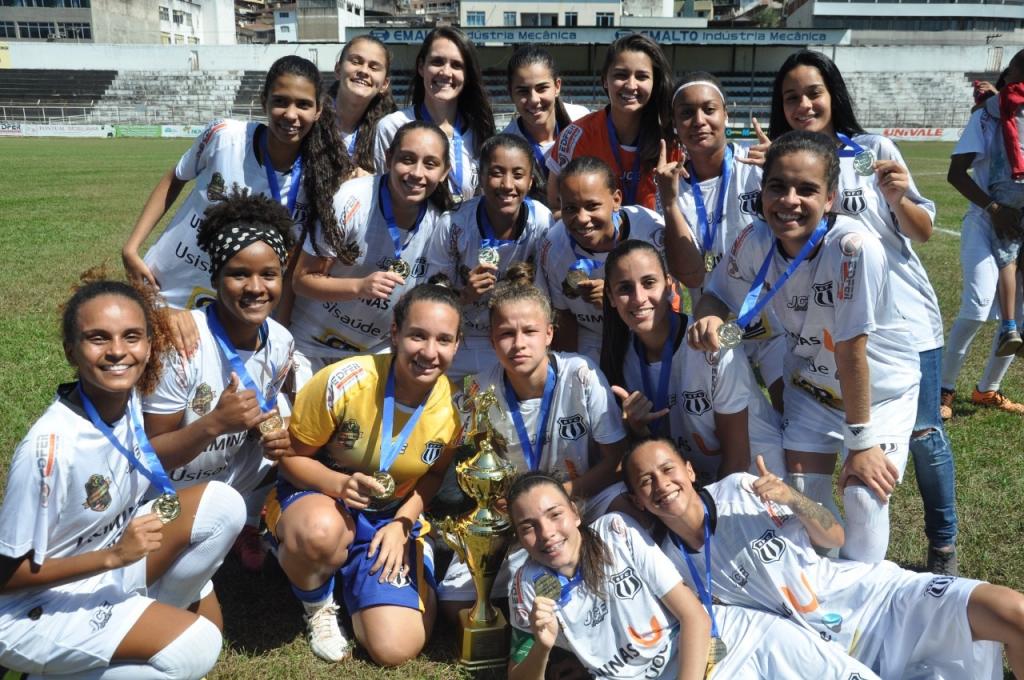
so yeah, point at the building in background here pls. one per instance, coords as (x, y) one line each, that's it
(286, 23)
(325, 21)
(902, 16)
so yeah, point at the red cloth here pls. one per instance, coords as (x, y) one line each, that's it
(1011, 98)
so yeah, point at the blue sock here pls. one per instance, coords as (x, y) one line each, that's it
(1009, 325)
(318, 594)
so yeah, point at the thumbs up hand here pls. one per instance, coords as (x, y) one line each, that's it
(769, 486)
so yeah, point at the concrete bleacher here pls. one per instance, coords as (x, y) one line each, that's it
(37, 95)
(940, 99)
(161, 97)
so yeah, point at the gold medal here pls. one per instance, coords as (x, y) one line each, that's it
(573, 279)
(709, 262)
(729, 335)
(388, 482)
(864, 163)
(167, 507)
(717, 651)
(400, 267)
(274, 422)
(547, 586)
(489, 256)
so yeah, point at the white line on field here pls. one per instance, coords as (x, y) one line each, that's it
(948, 231)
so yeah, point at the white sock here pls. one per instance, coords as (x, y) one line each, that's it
(818, 488)
(995, 369)
(961, 335)
(219, 518)
(867, 525)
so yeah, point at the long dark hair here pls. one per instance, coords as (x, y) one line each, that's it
(442, 196)
(474, 105)
(843, 118)
(325, 162)
(528, 55)
(614, 332)
(594, 554)
(380, 106)
(656, 117)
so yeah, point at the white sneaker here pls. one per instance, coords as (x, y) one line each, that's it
(325, 636)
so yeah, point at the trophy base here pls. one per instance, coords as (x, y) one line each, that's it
(481, 648)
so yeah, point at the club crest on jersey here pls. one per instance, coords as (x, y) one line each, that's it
(572, 427)
(97, 493)
(432, 452)
(823, 294)
(750, 203)
(200, 297)
(696, 402)
(215, 189)
(626, 584)
(769, 547)
(938, 586)
(853, 202)
(202, 400)
(334, 341)
(348, 434)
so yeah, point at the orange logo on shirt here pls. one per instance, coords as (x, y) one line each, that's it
(811, 604)
(830, 344)
(649, 640)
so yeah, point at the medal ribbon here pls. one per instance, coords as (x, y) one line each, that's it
(704, 593)
(457, 144)
(586, 264)
(389, 217)
(489, 240)
(352, 143)
(275, 188)
(153, 470)
(391, 446)
(665, 372)
(538, 152)
(237, 365)
(632, 181)
(532, 452)
(708, 232)
(850, 147)
(751, 306)
(568, 584)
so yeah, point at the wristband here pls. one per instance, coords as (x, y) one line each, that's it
(858, 437)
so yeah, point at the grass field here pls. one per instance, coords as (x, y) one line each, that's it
(66, 205)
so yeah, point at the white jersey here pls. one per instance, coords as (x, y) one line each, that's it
(337, 329)
(762, 558)
(193, 389)
(470, 164)
(702, 384)
(455, 246)
(583, 411)
(558, 253)
(981, 129)
(862, 198)
(842, 292)
(222, 156)
(575, 112)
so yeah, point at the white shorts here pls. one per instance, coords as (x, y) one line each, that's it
(75, 626)
(762, 645)
(767, 356)
(810, 426)
(978, 266)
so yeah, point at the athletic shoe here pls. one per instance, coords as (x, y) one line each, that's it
(248, 548)
(943, 562)
(325, 636)
(946, 403)
(1009, 343)
(997, 400)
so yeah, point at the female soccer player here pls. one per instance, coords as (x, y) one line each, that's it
(362, 96)
(476, 244)
(709, 404)
(371, 436)
(875, 187)
(447, 90)
(572, 254)
(758, 538)
(607, 594)
(294, 151)
(535, 88)
(561, 416)
(220, 413)
(851, 370)
(348, 278)
(94, 582)
(625, 134)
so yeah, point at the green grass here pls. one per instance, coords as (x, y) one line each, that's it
(66, 205)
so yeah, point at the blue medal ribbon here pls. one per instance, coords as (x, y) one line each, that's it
(391, 446)
(389, 217)
(457, 144)
(275, 188)
(704, 593)
(708, 232)
(752, 306)
(152, 469)
(538, 152)
(532, 451)
(489, 240)
(660, 398)
(850, 147)
(352, 144)
(237, 365)
(631, 182)
(589, 265)
(568, 584)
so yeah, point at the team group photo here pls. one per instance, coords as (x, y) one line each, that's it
(434, 367)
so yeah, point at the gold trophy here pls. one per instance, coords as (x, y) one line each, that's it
(480, 538)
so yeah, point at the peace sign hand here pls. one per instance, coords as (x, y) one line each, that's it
(756, 153)
(668, 175)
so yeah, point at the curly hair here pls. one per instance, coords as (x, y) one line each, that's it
(242, 207)
(517, 286)
(381, 105)
(94, 283)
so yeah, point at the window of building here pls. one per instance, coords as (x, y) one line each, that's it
(284, 15)
(539, 19)
(476, 19)
(286, 29)
(74, 30)
(510, 18)
(605, 19)
(165, 14)
(192, 40)
(39, 30)
(165, 38)
(572, 19)
(179, 17)
(188, 18)
(8, 29)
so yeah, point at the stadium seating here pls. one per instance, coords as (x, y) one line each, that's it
(166, 97)
(38, 95)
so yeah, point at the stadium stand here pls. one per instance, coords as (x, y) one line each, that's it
(161, 97)
(39, 95)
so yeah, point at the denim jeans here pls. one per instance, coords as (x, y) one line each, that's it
(933, 457)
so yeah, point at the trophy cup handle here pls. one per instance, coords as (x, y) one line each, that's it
(446, 529)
